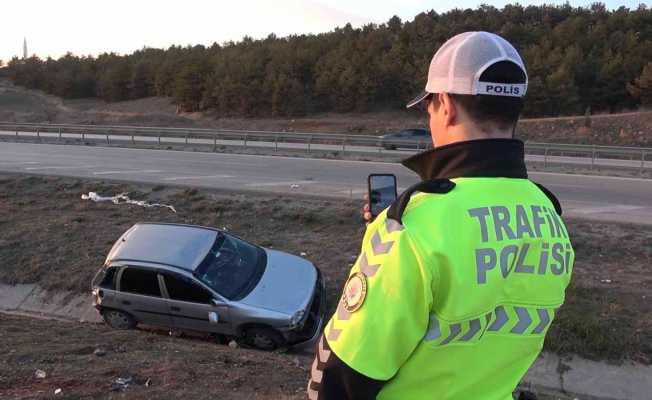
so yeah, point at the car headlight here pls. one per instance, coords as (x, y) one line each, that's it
(296, 318)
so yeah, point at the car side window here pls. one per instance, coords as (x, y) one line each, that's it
(140, 281)
(108, 279)
(183, 289)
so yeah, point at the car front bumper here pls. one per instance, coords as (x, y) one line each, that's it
(314, 323)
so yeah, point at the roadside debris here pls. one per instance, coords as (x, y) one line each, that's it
(40, 374)
(99, 352)
(122, 198)
(303, 254)
(233, 344)
(606, 281)
(57, 391)
(294, 186)
(121, 384)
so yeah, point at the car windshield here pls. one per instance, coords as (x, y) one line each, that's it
(232, 267)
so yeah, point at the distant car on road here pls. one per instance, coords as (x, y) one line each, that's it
(408, 138)
(203, 279)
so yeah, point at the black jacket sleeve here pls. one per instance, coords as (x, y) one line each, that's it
(332, 379)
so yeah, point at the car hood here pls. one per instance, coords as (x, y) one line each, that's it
(287, 285)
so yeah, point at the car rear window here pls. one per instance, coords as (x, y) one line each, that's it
(140, 281)
(182, 289)
(108, 279)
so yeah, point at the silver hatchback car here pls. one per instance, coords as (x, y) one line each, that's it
(203, 279)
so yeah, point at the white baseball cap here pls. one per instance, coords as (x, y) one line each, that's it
(458, 65)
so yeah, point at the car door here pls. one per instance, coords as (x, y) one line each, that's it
(139, 293)
(403, 139)
(190, 305)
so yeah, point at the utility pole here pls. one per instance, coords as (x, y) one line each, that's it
(24, 48)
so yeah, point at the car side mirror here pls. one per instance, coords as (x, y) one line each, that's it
(216, 302)
(213, 317)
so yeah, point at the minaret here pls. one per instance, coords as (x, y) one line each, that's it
(24, 48)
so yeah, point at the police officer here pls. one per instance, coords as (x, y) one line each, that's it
(458, 281)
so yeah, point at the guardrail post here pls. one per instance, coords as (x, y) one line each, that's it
(38, 133)
(309, 141)
(107, 139)
(83, 136)
(59, 138)
(545, 158)
(159, 139)
(133, 140)
(214, 143)
(186, 138)
(592, 156)
(275, 142)
(245, 141)
(642, 162)
(344, 145)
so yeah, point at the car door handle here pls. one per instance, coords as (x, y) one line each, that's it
(126, 303)
(175, 308)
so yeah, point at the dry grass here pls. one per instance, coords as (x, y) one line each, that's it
(22, 105)
(161, 367)
(51, 237)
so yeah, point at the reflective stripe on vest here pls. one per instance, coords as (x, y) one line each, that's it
(503, 320)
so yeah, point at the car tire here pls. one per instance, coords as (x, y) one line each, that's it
(262, 339)
(118, 319)
(219, 338)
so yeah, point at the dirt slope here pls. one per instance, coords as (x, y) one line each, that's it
(51, 237)
(19, 104)
(160, 366)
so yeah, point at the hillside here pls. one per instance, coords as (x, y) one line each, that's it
(577, 58)
(23, 105)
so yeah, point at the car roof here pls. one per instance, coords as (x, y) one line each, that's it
(181, 246)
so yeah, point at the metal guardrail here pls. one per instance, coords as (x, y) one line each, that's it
(307, 141)
(342, 141)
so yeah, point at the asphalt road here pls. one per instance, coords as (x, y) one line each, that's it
(607, 162)
(592, 197)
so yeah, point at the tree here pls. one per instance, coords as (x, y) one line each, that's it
(576, 58)
(188, 87)
(142, 80)
(114, 83)
(641, 88)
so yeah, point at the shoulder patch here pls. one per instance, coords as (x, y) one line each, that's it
(355, 291)
(553, 199)
(397, 208)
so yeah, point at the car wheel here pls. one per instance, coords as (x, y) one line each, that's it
(219, 338)
(263, 339)
(119, 319)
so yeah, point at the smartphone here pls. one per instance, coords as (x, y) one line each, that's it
(382, 192)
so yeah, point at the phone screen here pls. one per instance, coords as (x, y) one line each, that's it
(382, 192)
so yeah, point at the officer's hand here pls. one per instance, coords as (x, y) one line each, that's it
(366, 210)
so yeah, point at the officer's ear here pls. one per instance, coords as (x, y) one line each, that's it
(448, 109)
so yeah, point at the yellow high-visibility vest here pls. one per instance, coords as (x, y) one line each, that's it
(454, 302)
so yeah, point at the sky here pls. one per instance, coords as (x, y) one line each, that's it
(87, 27)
